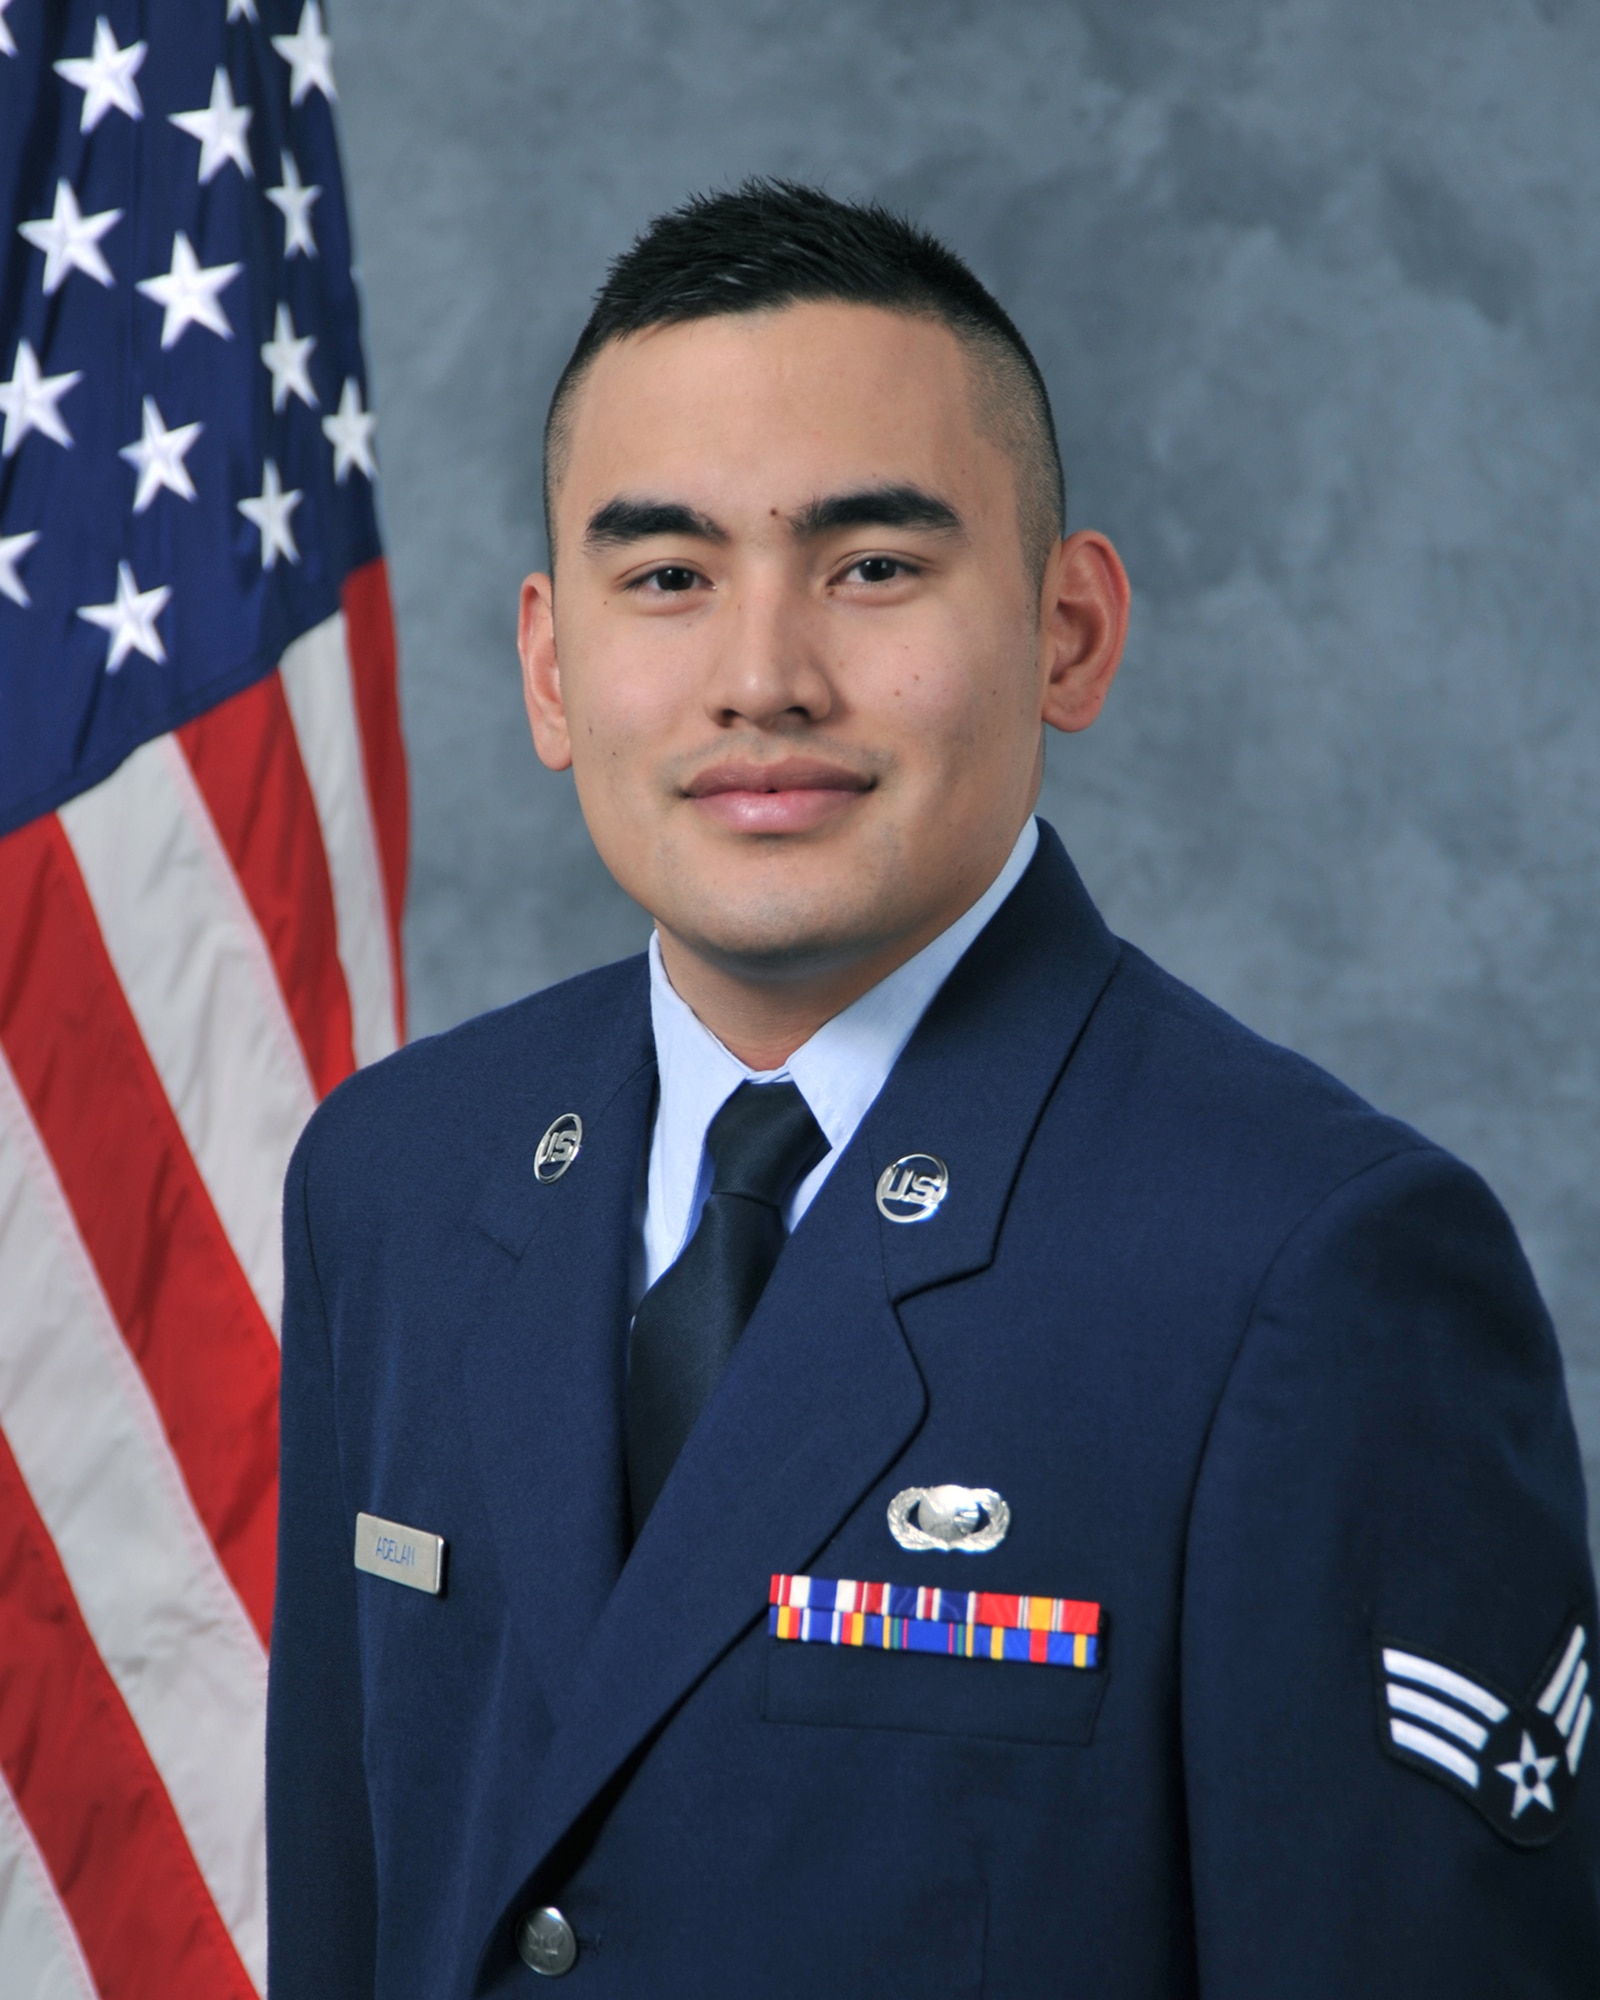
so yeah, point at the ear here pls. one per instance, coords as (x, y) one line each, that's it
(1083, 625)
(541, 676)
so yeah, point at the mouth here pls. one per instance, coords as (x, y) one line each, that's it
(793, 795)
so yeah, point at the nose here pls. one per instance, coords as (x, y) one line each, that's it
(766, 667)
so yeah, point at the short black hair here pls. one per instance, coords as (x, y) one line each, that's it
(775, 243)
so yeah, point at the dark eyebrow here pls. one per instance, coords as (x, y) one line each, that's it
(619, 522)
(877, 507)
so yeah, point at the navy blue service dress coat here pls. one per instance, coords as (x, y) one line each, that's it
(1259, 1372)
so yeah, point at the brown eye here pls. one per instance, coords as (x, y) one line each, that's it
(878, 569)
(674, 578)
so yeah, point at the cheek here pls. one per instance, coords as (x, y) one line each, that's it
(609, 752)
(957, 705)
(619, 707)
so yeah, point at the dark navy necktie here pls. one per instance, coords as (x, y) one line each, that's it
(762, 1141)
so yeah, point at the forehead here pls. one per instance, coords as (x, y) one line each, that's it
(783, 405)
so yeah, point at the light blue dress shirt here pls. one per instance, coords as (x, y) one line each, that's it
(839, 1071)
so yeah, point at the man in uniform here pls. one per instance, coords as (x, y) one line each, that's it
(887, 1447)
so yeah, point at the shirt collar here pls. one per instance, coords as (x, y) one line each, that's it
(839, 1071)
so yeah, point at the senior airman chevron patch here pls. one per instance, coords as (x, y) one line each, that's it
(1517, 1762)
(964, 1624)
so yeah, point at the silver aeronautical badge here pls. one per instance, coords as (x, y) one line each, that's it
(971, 1519)
(559, 1147)
(912, 1188)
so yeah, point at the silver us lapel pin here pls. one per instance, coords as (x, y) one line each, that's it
(912, 1189)
(560, 1146)
(404, 1555)
(968, 1519)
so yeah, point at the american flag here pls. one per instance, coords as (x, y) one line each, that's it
(202, 858)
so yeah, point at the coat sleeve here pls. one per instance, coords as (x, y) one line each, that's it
(1392, 1463)
(321, 1877)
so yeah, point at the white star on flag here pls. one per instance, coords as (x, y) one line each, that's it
(199, 725)
(295, 201)
(105, 77)
(29, 400)
(130, 618)
(1536, 1793)
(70, 239)
(288, 355)
(220, 128)
(188, 293)
(158, 458)
(270, 511)
(14, 547)
(349, 431)
(309, 54)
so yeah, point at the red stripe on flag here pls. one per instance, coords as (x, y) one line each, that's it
(369, 629)
(246, 761)
(85, 1784)
(184, 1306)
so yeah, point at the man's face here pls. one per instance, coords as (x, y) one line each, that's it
(796, 657)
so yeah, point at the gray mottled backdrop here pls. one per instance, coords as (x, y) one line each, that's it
(1314, 283)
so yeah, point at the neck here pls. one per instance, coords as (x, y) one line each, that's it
(763, 1020)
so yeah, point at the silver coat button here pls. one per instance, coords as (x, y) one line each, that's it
(545, 1943)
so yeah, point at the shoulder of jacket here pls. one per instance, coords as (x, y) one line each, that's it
(1256, 1110)
(470, 1082)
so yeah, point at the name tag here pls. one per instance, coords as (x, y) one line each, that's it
(404, 1555)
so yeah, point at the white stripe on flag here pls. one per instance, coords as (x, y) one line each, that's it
(39, 1949)
(1413, 1702)
(1412, 1667)
(200, 980)
(162, 1615)
(322, 705)
(1426, 1744)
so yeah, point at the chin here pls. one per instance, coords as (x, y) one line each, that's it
(779, 940)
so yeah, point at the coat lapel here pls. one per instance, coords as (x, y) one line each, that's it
(822, 1393)
(820, 1396)
(976, 1076)
(543, 1357)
